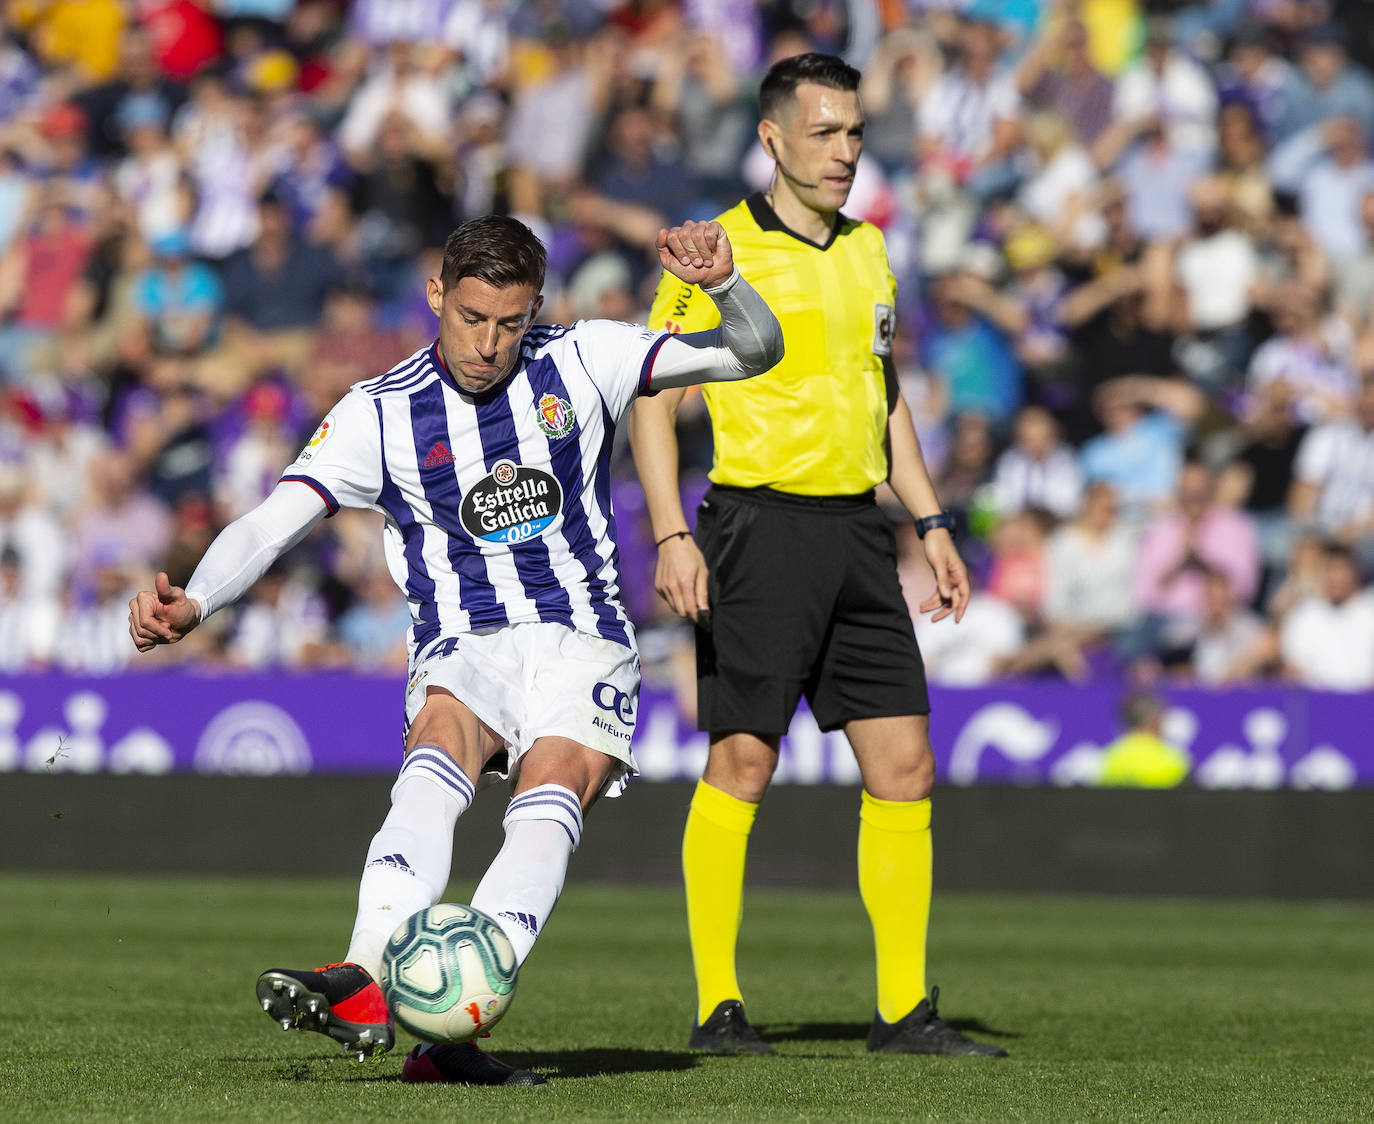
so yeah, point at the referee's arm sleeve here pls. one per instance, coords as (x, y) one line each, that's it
(747, 343)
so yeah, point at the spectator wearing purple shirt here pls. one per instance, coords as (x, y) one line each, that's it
(1058, 74)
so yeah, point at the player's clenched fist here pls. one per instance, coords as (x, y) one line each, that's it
(162, 615)
(697, 252)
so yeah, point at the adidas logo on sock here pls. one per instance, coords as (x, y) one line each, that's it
(397, 860)
(438, 455)
(528, 920)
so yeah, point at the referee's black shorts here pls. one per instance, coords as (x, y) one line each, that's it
(805, 601)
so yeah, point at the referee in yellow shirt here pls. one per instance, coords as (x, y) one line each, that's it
(792, 575)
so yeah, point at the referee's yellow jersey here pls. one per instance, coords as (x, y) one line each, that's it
(816, 424)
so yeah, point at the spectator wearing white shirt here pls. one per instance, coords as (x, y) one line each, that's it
(63, 449)
(1089, 567)
(1037, 470)
(28, 625)
(1231, 637)
(1327, 167)
(963, 656)
(1311, 352)
(970, 122)
(479, 32)
(281, 624)
(1333, 486)
(1216, 267)
(1327, 641)
(1060, 191)
(1168, 87)
(33, 535)
(94, 630)
(418, 93)
(1157, 175)
(976, 652)
(149, 178)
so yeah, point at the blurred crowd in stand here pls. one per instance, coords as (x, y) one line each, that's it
(1135, 245)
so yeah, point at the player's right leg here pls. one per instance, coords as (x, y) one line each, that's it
(406, 870)
(714, 847)
(558, 779)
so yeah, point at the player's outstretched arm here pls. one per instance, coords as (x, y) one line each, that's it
(239, 556)
(749, 338)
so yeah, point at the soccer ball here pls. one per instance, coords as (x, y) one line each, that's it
(448, 973)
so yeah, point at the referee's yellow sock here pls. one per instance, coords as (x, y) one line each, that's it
(713, 850)
(895, 858)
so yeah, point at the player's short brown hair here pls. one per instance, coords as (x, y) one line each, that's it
(780, 84)
(497, 249)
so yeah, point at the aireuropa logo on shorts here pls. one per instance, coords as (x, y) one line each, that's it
(614, 701)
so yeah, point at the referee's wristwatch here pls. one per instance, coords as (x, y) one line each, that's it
(932, 522)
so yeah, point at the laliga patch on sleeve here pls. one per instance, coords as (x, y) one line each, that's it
(321, 436)
(884, 325)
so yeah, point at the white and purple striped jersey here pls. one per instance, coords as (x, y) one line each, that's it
(497, 505)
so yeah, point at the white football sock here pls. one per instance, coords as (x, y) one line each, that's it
(408, 863)
(521, 887)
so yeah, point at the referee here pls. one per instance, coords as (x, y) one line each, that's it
(792, 575)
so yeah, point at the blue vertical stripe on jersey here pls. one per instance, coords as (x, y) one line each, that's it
(566, 454)
(419, 585)
(429, 426)
(501, 441)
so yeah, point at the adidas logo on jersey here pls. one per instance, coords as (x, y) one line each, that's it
(438, 455)
(527, 920)
(397, 861)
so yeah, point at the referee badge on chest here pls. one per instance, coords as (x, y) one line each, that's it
(884, 326)
(554, 415)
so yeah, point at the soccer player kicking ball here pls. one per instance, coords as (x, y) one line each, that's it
(488, 453)
(803, 592)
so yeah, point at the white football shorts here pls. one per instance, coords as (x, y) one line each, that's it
(533, 680)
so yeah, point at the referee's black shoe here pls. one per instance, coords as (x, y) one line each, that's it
(727, 1031)
(922, 1031)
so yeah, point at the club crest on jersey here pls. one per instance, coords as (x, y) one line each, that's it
(511, 504)
(554, 415)
(321, 435)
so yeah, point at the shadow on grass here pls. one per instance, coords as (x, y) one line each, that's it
(553, 1064)
(834, 1032)
(597, 1061)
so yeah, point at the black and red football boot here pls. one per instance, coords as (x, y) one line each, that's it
(340, 1000)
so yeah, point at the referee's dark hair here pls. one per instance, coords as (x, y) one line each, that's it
(497, 249)
(780, 84)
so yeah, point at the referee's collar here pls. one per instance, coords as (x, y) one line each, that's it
(767, 219)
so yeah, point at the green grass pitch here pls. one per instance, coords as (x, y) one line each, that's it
(132, 999)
